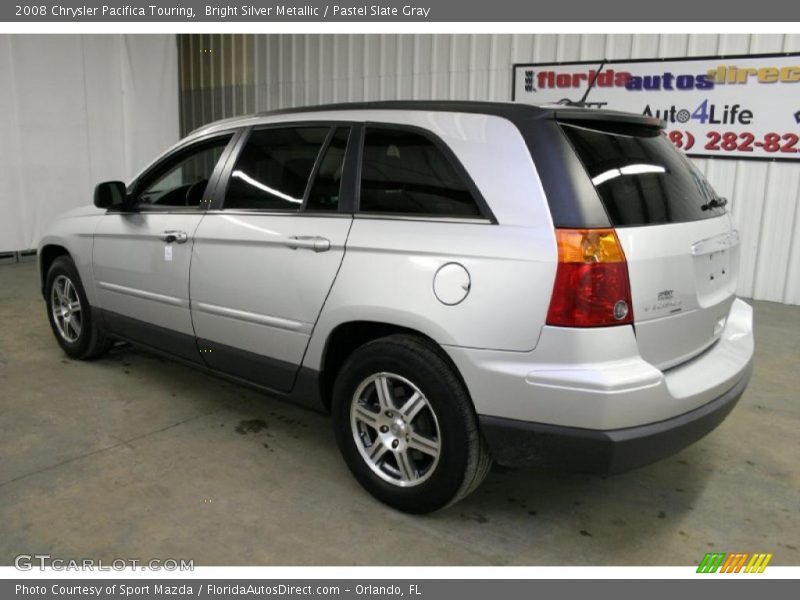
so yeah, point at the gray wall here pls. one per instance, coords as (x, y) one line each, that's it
(224, 76)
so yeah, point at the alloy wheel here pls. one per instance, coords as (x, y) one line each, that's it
(395, 429)
(65, 305)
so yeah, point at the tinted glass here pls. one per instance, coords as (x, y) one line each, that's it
(325, 190)
(405, 172)
(641, 178)
(273, 169)
(182, 181)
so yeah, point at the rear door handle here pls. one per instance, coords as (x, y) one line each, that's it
(179, 237)
(310, 242)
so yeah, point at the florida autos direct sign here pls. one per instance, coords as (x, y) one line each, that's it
(731, 107)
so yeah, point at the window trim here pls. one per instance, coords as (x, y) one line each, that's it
(346, 199)
(315, 168)
(130, 205)
(485, 213)
(343, 183)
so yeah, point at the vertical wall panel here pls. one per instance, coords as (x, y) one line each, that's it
(279, 71)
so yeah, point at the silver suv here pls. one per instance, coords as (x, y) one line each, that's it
(454, 282)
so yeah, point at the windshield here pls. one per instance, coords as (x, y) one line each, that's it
(641, 178)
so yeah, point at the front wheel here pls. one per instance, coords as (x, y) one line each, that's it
(69, 312)
(406, 427)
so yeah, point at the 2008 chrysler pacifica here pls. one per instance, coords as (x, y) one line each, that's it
(455, 282)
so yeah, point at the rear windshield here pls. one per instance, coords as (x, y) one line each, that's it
(641, 178)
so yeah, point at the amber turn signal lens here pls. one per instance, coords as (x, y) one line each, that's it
(588, 246)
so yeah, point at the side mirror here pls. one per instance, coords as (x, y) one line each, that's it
(109, 194)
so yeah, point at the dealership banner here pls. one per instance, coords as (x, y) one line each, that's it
(744, 107)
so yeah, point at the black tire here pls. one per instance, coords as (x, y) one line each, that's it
(463, 458)
(90, 341)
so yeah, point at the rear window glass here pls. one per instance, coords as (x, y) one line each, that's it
(641, 178)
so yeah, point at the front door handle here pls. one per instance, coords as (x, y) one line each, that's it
(310, 242)
(179, 237)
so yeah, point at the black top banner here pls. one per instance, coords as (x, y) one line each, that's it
(399, 11)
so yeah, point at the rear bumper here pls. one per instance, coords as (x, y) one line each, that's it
(585, 399)
(522, 443)
(595, 378)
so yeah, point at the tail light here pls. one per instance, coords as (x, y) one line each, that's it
(592, 287)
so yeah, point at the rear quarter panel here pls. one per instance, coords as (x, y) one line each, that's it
(388, 271)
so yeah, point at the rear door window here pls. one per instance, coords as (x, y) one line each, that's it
(640, 177)
(326, 188)
(274, 168)
(405, 173)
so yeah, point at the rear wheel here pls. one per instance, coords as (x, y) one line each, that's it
(406, 427)
(69, 312)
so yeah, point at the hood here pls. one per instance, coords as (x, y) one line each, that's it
(88, 210)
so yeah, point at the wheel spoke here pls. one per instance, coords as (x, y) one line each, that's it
(58, 288)
(423, 444)
(75, 306)
(384, 393)
(404, 464)
(376, 452)
(412, 406)
(366, 416)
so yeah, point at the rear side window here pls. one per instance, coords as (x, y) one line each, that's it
(404, 172)
(273, 170)
(641, 178)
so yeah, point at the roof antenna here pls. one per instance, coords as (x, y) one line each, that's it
(582, 101)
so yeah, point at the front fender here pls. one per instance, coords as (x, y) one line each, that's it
(75, 234)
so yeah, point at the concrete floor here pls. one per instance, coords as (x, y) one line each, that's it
(132, 456)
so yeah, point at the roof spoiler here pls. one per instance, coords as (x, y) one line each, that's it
(606, 117)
